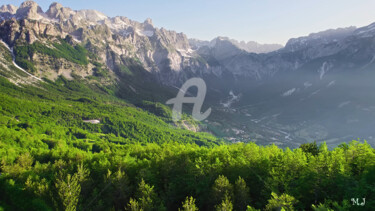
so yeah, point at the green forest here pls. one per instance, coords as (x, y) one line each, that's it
(134, 159)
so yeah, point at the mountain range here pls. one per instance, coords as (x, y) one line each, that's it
(317, 87)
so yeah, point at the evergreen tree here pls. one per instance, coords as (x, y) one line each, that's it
(225, 205)
(120, 188)
(284, 202)
(134, 205)
(241, 194)
(69, 190)
(82, 173)
(221, 190)
(189, 205)
(146, 196)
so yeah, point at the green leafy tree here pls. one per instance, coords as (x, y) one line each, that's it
(225, 205)
(146, 196)
(310, 148)
(189, 205)
(38, 186)
(25, 160)
(69, 190)
(117, 188)
(221, 189)
(283, 202)
(241, 194)
(134, 205)
(82, 173)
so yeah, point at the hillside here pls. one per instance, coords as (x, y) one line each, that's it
(84, 125)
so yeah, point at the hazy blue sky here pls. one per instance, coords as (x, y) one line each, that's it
(265, 21)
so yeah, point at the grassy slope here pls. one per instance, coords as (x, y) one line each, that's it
(61, 49)
(55, 110)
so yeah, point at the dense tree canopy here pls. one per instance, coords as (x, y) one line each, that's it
(161, 177)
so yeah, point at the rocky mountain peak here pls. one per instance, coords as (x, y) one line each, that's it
(148, 21)
(29, 10)
(11, 9)
(29, 4)
(56, 5)
(57, 11)
(223, 48)
(54, 9)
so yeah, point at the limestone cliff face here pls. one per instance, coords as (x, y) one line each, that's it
(27, 30)
(164, 53)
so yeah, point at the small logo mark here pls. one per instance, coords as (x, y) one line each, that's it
(197, 101)
(357, 203)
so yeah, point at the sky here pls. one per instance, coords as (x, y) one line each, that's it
(263, 21)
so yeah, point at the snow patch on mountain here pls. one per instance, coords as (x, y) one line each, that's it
(91, 15)
(289, 92)
(117, 24)
(146, 33)
(186, 53)
(326, 66)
